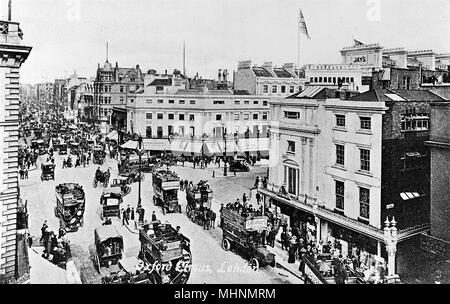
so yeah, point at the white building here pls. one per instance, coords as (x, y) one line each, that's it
(268, 80)
(326, 153)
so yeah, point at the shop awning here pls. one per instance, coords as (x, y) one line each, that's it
(193, 147)
(113, 135)
(254, 144)
(131, 144)
(410, 195)
(231, 147)
(212, 148)
(177, 145)
(155, 144)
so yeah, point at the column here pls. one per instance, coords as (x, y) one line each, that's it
(379, 248)
(311, 171)
(303, 176)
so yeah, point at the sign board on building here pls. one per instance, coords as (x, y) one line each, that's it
(390, 206)
(434, 245)
(359, 59)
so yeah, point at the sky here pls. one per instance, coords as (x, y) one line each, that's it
(69, 35)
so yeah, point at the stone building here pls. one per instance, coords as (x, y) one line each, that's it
(13, 253)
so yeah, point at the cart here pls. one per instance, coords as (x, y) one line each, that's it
(199, 198)
(47, 171)
(122, 182)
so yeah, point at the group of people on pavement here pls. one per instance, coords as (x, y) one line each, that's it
(56, 248)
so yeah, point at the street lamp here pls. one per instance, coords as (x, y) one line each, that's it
(140, 151)
(391, 238)
(204, 136)
(225, 152)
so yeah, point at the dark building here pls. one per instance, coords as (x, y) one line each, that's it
(439, 145)
(112, 86)
(405, 185)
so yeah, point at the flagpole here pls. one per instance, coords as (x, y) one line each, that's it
(298, 57)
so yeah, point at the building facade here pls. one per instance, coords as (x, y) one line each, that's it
(439, 145)
(268, 80)
(165, 107)
(13, 242)
(112, 85)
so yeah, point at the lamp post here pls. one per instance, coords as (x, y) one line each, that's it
(391, 238)
(140, 151)
(225, 152)
(204, 136)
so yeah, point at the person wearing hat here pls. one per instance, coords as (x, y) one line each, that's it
(43, 230)
(154, 216)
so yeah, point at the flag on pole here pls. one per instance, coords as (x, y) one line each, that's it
(357, 42)
(302, 25)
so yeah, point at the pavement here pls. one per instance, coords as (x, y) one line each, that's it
(210, 263)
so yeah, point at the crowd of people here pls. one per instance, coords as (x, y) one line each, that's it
(56, 248)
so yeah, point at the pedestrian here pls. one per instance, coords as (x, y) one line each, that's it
(124, 217)
(244, 199)
(258, 197)
(43, 230)
(26, 173)
(141, 215)
(132, 213)
(128, 211)
(64, 165)
(185, 183)
(154, 216)
(181, 185)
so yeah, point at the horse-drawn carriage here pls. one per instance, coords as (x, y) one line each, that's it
(62, 148)
(111, 200)
(47, 171)
(165, 188)
(245, 233)
(70, 205)
(238, 165)
(38, 146)
(198, 207)
(101, 177)
(99, 155)
(122, 182)
(74, 148)
(167, 252)
(130, 163)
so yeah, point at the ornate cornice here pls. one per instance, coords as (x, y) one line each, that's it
(12, 56)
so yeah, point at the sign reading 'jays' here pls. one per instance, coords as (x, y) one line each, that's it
(360, 59)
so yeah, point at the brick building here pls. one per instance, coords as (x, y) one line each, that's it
(13, 254)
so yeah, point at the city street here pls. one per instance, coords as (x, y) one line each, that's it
(211, 264)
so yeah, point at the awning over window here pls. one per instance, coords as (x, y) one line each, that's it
(231, 147)
(131, 144)
(410, 195)
(113, 135)
(212, 148)
(254, 144)
(193, 147)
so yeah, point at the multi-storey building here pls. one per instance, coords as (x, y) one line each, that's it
(377, 142)
(72, 96)
(59, 94)
(165, 107)
(112, 86)
(364, 67)
(14, 264)
(81, 101)
(439, 145)
(267, 80)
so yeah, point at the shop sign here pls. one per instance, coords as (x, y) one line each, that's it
(360, 59)
(390, 206)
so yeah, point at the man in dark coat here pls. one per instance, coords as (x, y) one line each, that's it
(124, 218)
(154, 216)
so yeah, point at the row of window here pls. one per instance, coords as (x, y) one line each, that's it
(170, 131)
(365, 123)
(364, 199)
(237, 116)
(333, 80)
(215, 102)
(283, 89)
(364, 156)
(415, 122)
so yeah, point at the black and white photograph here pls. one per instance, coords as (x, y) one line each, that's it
(193, 142)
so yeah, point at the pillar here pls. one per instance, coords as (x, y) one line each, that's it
(303, 176)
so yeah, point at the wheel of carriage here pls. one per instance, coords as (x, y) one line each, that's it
(273, 263)
(95, 182)
(164, 210)
(226, 244)
(154, 201)
(254, 263)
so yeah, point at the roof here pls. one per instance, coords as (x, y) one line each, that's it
(388, 95)
(105, 232)
(309, 92)
(282, 73)
(163, 82)
(241, 92)
(261, 72)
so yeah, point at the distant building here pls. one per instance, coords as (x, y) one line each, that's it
(372, 66)
(268, 80)
(14, 265)
(112, 86)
